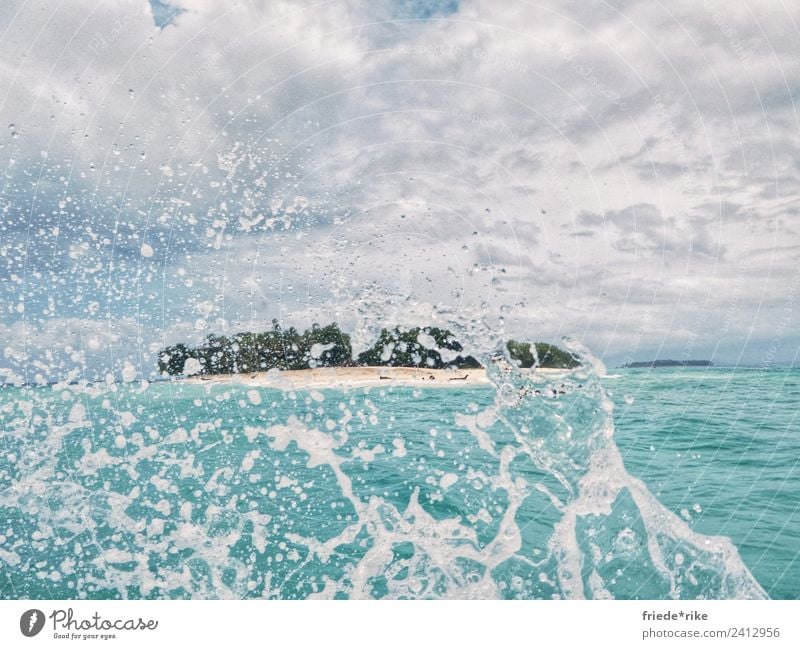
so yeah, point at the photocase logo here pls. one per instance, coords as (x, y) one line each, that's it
(31, 622)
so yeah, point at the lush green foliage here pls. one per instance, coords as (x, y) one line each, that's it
(418, 347)
(288, 349)
(541, 355)
(285, 349)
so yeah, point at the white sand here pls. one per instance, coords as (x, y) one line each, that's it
(328, 377)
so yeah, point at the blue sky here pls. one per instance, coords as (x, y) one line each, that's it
(164, 13)
(622, 173)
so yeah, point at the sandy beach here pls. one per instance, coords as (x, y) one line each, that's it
(328, 377)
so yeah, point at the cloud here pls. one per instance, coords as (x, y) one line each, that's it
(642, 228)
(278, 158)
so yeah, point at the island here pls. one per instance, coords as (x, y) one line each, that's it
(322, 356)
(668, 363)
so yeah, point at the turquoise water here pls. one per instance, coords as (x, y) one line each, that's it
(176, 490)
(727, 440)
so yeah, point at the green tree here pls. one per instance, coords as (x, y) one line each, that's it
(217, 355)
(270, 348)
(520, 352)
(245, 348)
(172, 359)
(417, 347)
(541, 355)
(327, 346)
(552, 356)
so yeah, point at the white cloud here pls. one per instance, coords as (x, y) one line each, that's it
(619, 160)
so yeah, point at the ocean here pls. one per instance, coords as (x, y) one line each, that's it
(721, 447)
(668, 483)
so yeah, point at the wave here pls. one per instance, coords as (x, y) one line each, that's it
(202, 491)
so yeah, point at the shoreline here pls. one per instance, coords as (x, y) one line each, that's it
(356, 377)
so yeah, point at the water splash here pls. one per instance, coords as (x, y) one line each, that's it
(179, 490)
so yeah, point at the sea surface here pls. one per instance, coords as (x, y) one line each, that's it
(721, 447)
(668, 483)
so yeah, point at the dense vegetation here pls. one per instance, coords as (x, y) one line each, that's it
(288, 349)
(541, 355)
(429, 347)
(284, 349)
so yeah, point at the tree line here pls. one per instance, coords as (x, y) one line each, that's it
(329, 346)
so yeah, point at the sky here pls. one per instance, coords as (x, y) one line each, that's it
(623, 174)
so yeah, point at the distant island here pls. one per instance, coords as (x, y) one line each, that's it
(319, 347)
(669, 363)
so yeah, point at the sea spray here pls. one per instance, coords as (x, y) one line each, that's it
(516, 490)
(614, 539)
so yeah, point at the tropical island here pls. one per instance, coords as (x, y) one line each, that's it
(668, 363)
(323, 354)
